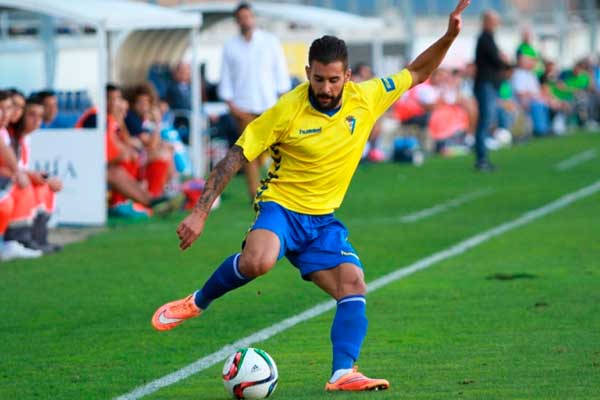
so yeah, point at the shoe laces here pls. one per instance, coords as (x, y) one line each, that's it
(186, 305)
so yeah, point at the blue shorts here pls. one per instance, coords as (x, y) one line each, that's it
(311, 242)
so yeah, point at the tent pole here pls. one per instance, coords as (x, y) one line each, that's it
(196, 126)
(49, 39)
(101, 36)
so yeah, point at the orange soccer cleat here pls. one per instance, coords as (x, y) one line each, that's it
(356, 382)
(174, 313)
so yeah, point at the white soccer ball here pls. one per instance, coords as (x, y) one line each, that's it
(503, 136)
(250, 373)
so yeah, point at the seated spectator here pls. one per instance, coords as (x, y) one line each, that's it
(363, 72)
(449, 121)
(527, 89)
(143, 122)
(18, 103)
(179, 91)
(579, 81)
(129, 197)
(51, 118)
(179, 98)
(416, 105)
(9, 249)
(559, 95)
(507, 107)
(42, 186)
(462, 83)
(526, 48)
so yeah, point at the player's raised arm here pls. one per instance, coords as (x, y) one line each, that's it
(192, 226)
(428, 61)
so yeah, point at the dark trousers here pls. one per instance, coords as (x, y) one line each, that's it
(487, 96)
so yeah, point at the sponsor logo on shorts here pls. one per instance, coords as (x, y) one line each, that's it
(348, 253)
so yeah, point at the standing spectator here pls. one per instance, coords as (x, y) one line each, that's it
(489, 64)
(254, 73)
(526, 45)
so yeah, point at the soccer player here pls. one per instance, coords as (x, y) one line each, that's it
(315, 135)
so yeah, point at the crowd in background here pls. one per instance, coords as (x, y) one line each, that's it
(147, 126)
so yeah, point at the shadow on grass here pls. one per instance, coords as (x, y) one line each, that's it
(510, 277)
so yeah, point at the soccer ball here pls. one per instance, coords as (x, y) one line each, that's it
(250, 373)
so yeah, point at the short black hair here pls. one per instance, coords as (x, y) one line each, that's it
(43, 94)
(360, 65)
(16, 92)
(242, 6)
(328, 49)
(4, 95)
(111, 87)
(36, 98)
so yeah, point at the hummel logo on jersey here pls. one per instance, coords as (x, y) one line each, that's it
(255, 368)
(310, 131)
(388, 84)
(165, 320)
(351, 122)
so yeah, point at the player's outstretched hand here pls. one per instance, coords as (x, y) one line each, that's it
(455, 23)
(190, 229)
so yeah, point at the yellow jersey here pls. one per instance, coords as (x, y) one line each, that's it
(316, 154)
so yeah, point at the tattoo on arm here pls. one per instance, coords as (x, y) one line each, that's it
(220, 177)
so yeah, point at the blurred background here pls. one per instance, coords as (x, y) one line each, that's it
(67, 51)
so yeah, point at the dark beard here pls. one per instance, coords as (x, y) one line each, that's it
(244, 31)
(335, 101)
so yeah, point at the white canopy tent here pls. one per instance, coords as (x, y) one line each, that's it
(327, 19)
(108, 17)
(324, 19)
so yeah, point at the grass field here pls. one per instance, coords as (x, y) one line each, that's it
(517, 317)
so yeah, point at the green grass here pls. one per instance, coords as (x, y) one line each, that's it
(517, 317)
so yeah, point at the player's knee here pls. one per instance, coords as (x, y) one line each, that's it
(254, 265)
(352, 283)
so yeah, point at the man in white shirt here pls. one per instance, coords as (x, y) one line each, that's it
(253, 76)
(528, 90)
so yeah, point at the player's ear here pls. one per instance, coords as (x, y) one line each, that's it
(307, 69)
(348, 74)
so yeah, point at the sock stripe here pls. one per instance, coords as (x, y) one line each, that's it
(236, 268)
(352, 298)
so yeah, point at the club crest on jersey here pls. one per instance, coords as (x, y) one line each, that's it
(388, 84)
(351, 123)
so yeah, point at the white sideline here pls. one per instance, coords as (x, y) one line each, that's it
(428, 212)
(264, 334)
(577, 159)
